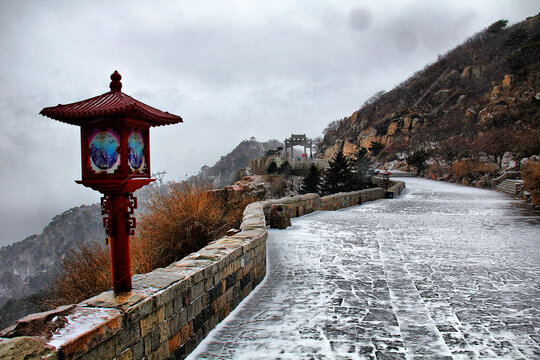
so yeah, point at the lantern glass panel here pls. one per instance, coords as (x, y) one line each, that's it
(136, 158)
(104, 147)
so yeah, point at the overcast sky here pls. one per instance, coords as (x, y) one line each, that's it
(231, 69)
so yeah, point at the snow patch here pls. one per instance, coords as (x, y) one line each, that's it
(81, 322)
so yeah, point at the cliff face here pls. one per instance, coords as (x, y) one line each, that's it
(491, 82)
(224, 171)
(26, 267)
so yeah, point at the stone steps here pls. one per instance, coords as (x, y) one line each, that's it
(508, 186)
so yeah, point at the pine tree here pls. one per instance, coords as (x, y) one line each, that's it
(418, 160)
(272, 168)
(375, 148)
(361, 166)
(310, 184)
(338, 176)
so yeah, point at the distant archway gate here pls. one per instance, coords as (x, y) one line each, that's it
(301, 140)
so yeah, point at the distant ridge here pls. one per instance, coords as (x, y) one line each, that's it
(225, 170)
(28, 266)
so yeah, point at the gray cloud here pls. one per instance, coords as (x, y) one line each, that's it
(361, 18)
(231, 69)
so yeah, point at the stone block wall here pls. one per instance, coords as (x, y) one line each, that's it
(304, 204)
(395, 187)
(172, 309)
(169, 311)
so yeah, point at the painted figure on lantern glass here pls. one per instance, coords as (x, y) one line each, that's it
(104, 151)
(136, 148)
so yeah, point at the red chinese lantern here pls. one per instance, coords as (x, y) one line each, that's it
(115, 159)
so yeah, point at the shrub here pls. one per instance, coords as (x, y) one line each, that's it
(463, 169)
(184, 221)
(85, 271)
(531, 175)
(278, 187)
(175, 225)
(435, 169)
(497, 26)
(487, 168)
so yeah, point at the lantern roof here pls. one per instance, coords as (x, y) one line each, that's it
(110, 104)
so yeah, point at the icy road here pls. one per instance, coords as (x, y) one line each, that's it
(442, 272)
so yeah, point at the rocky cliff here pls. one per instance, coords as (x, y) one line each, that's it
(27, 267)
(482, 97)
(224, 172)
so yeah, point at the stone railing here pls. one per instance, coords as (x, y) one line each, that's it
(170, 310)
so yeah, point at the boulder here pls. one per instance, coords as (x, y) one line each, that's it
(354, 117)
(392, 128)
(349, 148)
(442, 96)
(508, 80)
(407, 123)
(279, 217)
(452, 75)
(472, 72)
(477, 71)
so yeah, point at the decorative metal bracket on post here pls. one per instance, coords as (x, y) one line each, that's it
(115, 158)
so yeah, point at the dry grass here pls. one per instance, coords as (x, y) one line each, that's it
(436, 169)
(462, 169)
(86, 270)
(183, 222)
(175, 225)
(487, 168)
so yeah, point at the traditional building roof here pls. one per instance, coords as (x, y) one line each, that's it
(110, 104)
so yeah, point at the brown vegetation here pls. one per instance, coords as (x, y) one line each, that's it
(531, 175)
(175, 225)
(462, 169)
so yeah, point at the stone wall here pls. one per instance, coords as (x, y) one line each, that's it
(304, 204)
(172, 309)
(394, 187)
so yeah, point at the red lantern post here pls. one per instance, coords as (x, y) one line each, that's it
(386, 178)
(115, 156)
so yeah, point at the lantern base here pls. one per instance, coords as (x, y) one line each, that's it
(115, 186)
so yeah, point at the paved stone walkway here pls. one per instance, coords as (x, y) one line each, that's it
(443, 272)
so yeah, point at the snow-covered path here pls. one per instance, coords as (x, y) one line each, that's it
(442, 272)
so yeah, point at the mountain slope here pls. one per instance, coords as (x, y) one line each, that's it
(225, 170)
(480, 98)
(26, 267)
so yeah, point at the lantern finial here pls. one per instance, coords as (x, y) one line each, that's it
(116, 85)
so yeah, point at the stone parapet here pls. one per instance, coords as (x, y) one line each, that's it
(170, 310)
(395, 188)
